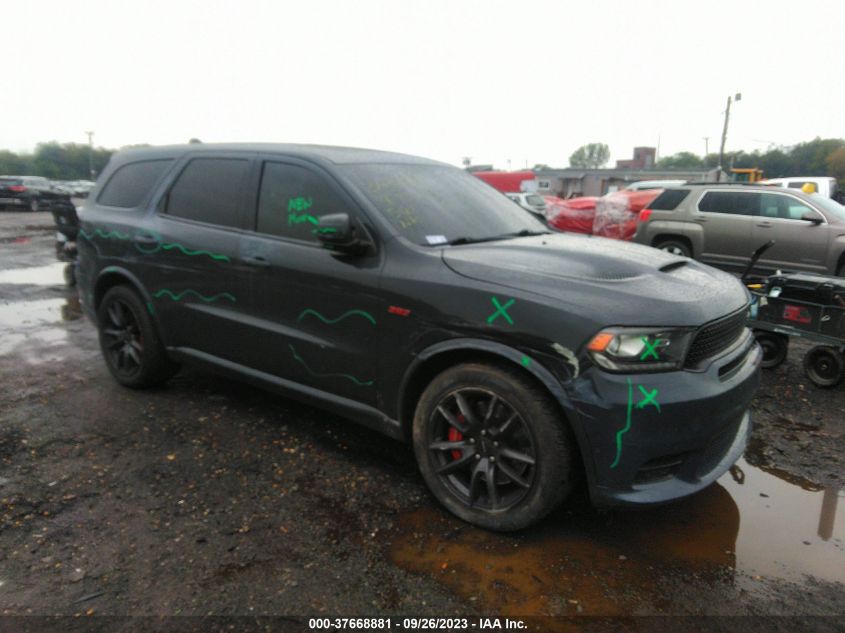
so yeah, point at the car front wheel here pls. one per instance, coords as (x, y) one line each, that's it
(492, 446)
(131, 348)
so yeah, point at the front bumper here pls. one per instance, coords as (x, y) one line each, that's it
(651, 438)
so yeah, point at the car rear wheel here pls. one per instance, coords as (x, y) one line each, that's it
(824, 366)
(775, 347)
(676, 247)
(130, 345)
(492, 446)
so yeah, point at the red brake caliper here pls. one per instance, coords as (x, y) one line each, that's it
(456, 436)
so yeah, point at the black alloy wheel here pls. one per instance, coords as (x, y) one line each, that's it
(492, 446)
(483, 451)
(128, 339)
(123, 341)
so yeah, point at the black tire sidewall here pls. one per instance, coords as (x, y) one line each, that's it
(155, 366)
(782, 344)
(814, 355)
(681, 245)
(552, 479)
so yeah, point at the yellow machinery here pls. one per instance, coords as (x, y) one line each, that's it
(751, 174)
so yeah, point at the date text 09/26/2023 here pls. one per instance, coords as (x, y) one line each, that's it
(421, 624)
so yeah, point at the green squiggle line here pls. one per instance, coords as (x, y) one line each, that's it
(360, 383)
(627, 426)
(117, 235)
(222, 258)
(362, 313)
(177, 297)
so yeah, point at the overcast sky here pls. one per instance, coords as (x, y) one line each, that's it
(526, 82)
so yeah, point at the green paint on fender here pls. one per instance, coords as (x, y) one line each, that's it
(360, 383)
(164, 292)
(350, 313)
(150, 307)
(626, 428)
(526, 362)
(501, 310)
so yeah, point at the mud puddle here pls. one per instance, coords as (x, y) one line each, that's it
(750, 526)
(26, 324)
(49, 275)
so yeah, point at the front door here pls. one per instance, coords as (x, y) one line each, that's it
(799, 244)
(316, 314)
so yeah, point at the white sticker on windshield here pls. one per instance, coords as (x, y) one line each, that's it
(436, 239)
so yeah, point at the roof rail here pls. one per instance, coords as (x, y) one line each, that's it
(729, 183)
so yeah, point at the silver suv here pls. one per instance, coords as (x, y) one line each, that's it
(721, 224)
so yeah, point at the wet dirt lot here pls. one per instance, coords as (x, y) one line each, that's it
(211, 497)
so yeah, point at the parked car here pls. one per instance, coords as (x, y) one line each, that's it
(824, 186)
(722, 224)
(530, 202)
(413, 298)
(617, 213)
(574, 215)
(33, 193)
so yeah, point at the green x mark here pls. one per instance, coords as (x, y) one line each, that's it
(649, 398)
(650, 348)
(501, 310)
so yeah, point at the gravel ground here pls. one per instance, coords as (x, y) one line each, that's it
(209, 497)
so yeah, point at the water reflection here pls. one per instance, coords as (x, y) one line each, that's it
(41, 275)
(34, 324)
(749, 524)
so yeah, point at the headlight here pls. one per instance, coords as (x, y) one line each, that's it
(632, 350)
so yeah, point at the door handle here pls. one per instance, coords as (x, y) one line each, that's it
(145, 240)
(701, 220)
(256, 260)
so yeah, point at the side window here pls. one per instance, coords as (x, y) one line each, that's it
(796, 209)
(730, 203)
(129, 186)
(291, 201)
(771, 205)
(669, 200)
(209, 190)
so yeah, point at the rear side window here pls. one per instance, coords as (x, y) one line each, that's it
(730, 203)
(669, 200)
(130, 184)
(209, 190)
(291, 201)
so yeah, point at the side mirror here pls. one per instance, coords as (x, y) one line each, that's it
(812, 217)
(337, 233)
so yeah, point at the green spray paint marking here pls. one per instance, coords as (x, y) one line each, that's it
(360, 383)
(501, 310)
(526, 362)
(186, 251)
(294, 218)
(649, 399)
(111, 235)
(300, 204)
(650, 348)
(362, 313)
(150, 250)
(324, 230)
(626, 428)
(150, 307)
(164, 292)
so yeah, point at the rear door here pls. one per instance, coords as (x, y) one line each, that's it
(726, 218)
(315, 314)
(191, 250)
(799, 244)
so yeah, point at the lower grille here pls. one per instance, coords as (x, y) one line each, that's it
(716, 337)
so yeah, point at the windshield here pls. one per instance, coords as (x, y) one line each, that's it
(434, 204)
(831, 206)
(537, 201)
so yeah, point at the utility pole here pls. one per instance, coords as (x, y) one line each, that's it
(725, 134)
(91, 154)
(706, 145)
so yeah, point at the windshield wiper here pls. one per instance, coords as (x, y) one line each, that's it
(493, 238)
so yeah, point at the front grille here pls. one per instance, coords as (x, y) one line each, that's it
(715, 337)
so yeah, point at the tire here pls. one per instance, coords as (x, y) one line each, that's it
(674, 246)
(775, 347)
(824, 366)
(521, 444)
(131, 347)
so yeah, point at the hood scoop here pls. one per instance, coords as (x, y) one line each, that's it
(668, 268)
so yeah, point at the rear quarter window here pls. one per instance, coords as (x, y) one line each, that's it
(129, 185)
(669, 200)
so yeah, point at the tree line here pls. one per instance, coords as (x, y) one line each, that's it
(819, 157)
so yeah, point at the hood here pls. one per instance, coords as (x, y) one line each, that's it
(609, 281)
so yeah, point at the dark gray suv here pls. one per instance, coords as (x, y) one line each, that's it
(721, 224)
